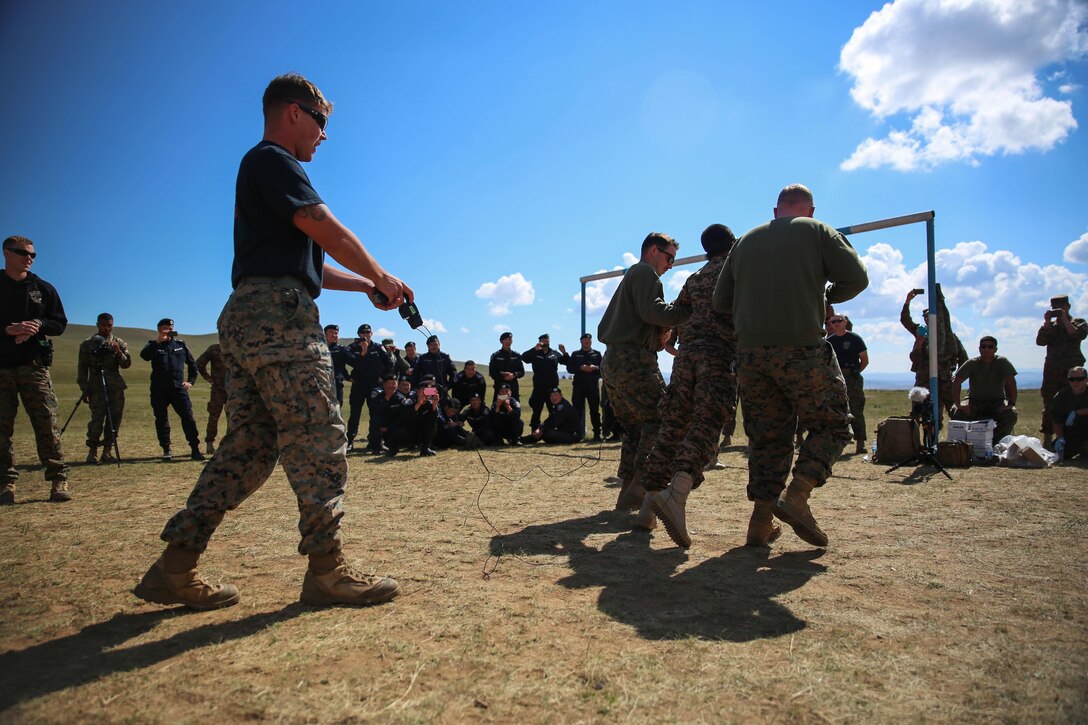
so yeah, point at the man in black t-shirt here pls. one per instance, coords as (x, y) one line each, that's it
(853, 358)
(281, 401)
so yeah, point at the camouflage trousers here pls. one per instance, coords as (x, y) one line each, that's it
(98, 427)
(781, 388)
(699, 401)
(1053, 382)
(31, 384)
(855, 394)
(281, 405)
(635, 389)
(215, 407)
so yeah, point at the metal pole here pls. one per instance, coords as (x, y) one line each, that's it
(934, 335)
(583, 307)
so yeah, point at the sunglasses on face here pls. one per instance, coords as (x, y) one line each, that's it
(1081, 379)
(987, 347)
(21, 252)
(672, 257)
(319, 118)
(837, 321)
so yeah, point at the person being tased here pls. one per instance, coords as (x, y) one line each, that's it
(697, 403)
(506, 416)
(563, 424)
(481, 420)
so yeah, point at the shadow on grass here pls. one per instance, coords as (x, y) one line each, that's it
(98, 651)
(730, 598)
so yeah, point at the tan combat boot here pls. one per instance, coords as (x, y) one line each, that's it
(173, 579)
(793, 508)
(60, 492)
(669, 506)
(715, 464)
(331, 580)
(631, 495)
(646, 518)
(762, 529)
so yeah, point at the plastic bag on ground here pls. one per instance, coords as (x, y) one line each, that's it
(1023, 452)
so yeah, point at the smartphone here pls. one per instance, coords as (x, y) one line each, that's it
(501, 398)
(919, 291)
(430, 392)
(172, 333)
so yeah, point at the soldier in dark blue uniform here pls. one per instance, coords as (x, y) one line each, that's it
(341, 358)
(506, 365)
(585, 366)
(423, 424)
(563, 424)
(434, 362)
(389, 416)
(371, 363)
(506, 416)
(173, 372)
(545, 362)
(468, 382)
(480, 417)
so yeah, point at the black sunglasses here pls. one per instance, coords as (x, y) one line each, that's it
(987, 346)
(663, 250)
(319, 118)
(1081, 379)
(21, 252)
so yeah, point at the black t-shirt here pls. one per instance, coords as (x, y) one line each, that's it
(271, 187)
(848, 348)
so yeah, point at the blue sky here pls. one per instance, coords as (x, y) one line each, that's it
(491, 153)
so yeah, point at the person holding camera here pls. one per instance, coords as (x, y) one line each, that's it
(506, 416)
(173, 372)
(506, 366)
(425, 401)
(30, 309)
(101, 359)
(1061, 335)
(950, 351)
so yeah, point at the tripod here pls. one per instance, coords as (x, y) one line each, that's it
(112, 444)
(928, 455)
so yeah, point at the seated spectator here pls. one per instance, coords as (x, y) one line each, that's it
(993, 389)
(506, 416)
(452, 432)
(481, 419)
(389, 417)
(563, 424)
(1069, 415)
(468, 382)
(423, 425)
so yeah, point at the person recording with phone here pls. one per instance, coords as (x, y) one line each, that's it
(173, 372)
(425, 402)
(1061, 335)
(506, 416)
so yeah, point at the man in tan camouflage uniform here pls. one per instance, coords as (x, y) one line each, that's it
(774, 284)
(1061, 335)
(102, 357)
(699, 398)
(632, 327)
(30, 309)
(211, 367)
(281, 404)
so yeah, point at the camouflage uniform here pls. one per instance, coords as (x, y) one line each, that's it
(217, 376)
(281, 405)
(635, 389)
(1062, 352)
(790, 386)
(700, 400)
(90, 384)
(32, 384)
(950, 353)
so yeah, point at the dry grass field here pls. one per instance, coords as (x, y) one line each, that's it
(527, 599)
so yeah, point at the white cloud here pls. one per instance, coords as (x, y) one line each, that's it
(966, 73)
(465, 330)
(500, 328)
(599, 293)
(435, 326)
(677, 280)
(383, 332)
(509, 290)
(1077, 251)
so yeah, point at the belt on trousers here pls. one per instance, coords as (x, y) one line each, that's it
(282, 281)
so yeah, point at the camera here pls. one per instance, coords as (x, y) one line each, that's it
(501, 398)
(918, 291)
(430, 392)
(99, 346)
(172, 334)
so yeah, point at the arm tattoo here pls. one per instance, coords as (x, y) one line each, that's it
(316, 212)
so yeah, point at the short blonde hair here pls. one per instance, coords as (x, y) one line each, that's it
(293, 87)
